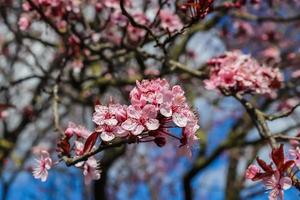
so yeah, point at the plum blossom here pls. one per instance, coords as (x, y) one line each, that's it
(277, 184)
(251, 171)
(295, 154)
(91, 171)
(43, 164)
(170, 21)
(24, 23)
(134, 33)
(236, 72)
(79, 131)
(140, 120)
(174, 105)
(155, 108)
(275, 180)
(108, 120)
(148, 91)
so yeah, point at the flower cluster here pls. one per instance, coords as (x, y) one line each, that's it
(57, 11)
(236, 72)
(275, 180)
(61, 13)
(155, 108)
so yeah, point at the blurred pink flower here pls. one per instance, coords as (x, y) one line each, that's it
(90, 171)
(24, 23)
(251, 171)
(296, 74)
(44, 163)
(170, 21)
(236, 72)
(79, 131)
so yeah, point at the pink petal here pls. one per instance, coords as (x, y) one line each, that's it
(285, 183)
(138, 130)
(150, 111)
(111, 122)
(133, 113)
(129, 124)
(179, 119)
(152, 124)
(165, 110)
(107, 136)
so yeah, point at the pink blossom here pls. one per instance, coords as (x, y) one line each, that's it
(108, 120)
(170, 21)
(148, 92)
(24, 23)
(103, 115)
(295, 154)
(141, 119)
(108, 133)
(90, 171)
(271, 53)
(236, 72)
(174, 105)
(296, 74)
(115, 3)
(79, 131)
(135, 34)
(277, 184)
(251, 171)
(44, 163)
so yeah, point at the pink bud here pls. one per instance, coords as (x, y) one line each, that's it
(251, 171)
(23, 23)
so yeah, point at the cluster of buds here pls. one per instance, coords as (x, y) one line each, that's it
(155, 109)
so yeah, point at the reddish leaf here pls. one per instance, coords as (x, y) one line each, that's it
(63, 146)
(260, 175)
(278, 156)
(90, 142)
(264, 165)
(286, 165)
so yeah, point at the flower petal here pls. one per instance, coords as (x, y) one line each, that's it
(107, 136)
(285, 183)
(152, 124)
(138, 130)
(129, 124)
(179, 119)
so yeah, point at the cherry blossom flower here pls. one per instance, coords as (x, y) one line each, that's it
(141, 119)
(295, 154)
(108, 120)
(134, 33)
(79, 131)
(44, 163)
(276, 180)
(170, 21)
(236, 72)
(252, 171)
(148, 92)
(24, 23)
(277, 184)
(90, 171)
